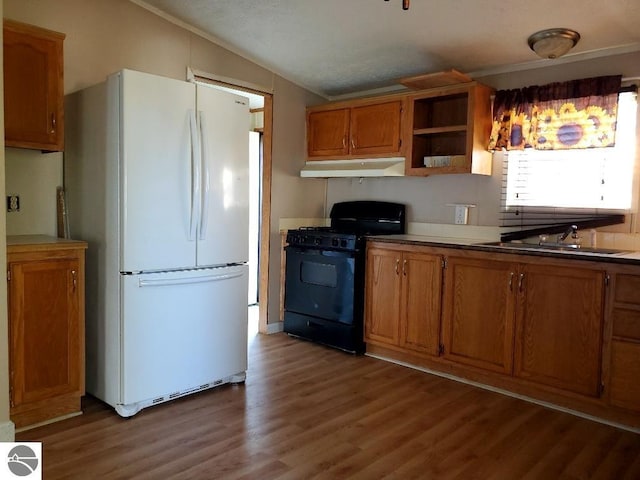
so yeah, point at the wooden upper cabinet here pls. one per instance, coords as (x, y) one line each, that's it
(376, 128)
(33, 87)
(559, 327)
(357, 129)
(478, 319)
(450, 130)
(328, 133)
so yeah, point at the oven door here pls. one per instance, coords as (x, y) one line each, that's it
(320, 283)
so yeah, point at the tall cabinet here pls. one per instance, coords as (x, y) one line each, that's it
(46, 327)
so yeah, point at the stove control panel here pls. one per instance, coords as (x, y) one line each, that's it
(322, 239)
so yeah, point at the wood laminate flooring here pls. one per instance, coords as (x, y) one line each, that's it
(308, 411)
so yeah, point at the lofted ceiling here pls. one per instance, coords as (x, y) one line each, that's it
(337, 47)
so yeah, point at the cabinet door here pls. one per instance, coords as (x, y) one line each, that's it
(479, 313)
(624, 367)
(327, 133)
(420, 306)
(45, 345)
(33, 88)
(559, 327)
(625, 372)
(375, 129)
(382, 294)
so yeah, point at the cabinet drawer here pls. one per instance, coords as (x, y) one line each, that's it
(625, 372)
(627, 289)
(626, 323)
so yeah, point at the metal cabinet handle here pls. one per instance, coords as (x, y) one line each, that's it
(353, 143)
(397, 266)
(53, 123)
(74, 281)
(520, 282)
(511, 274)
(404, 268)
(344, 142)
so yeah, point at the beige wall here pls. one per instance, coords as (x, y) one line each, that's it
(104, 36)
(428, 198)
(34, 177)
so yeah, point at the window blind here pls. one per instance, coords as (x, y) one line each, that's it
(552, 188)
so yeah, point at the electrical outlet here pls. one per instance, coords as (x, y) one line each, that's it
(13, 203)
(462, 215)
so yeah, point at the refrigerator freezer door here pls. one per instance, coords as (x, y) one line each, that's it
(183, 330)
(225, 124)
(155, 172)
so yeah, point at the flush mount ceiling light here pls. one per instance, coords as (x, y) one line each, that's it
(554, 42)
(405, 4)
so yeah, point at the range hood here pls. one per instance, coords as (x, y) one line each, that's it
(363, 167)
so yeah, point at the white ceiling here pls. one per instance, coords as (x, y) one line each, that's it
(336, 47)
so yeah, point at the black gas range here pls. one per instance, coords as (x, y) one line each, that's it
(324, 279)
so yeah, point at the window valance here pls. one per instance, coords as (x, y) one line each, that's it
(564, 115)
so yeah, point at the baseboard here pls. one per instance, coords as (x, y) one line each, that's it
(275, 327)
(47, 422)
(7, 431)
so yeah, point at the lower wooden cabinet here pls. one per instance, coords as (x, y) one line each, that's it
(46, 328)
(421, 302)
(403, 290)
(561, 330)
(624, 387)
(624, 364)
(478, 317)
(559, 323)
(382, 296)
(542, 323)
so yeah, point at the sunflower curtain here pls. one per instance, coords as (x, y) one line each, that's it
(575, 114)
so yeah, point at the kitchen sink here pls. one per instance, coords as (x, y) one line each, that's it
(554, 248)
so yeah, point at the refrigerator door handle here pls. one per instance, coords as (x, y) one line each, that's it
(206, 178)
(163, 282)
(194, 215)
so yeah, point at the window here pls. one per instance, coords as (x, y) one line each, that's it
(593, 178)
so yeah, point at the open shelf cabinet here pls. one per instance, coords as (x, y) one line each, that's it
(450, 128)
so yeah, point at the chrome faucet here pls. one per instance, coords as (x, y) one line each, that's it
(572, 230)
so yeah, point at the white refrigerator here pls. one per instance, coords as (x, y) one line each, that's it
(156, 180)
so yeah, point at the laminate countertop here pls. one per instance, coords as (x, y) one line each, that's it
(30, 243)
(628, 257)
